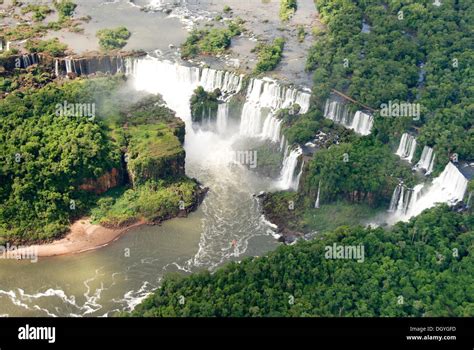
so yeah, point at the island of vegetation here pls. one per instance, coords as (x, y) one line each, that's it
(119, 165)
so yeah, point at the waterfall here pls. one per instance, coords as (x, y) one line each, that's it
(288, 180)
(406, 148)
(270, 94)
(173, 81)
(28, 60)
(316, 204)
(427, 160)
(449, 187)
(395, 198)
(362, 123)
(68, 63)
(264, 95)
(404, 200)
(222, 117)
(339, 112)
(251, 120)
(401, 199)
(283, 143)
(209, 79)
(271, 128)
(56, 67)
(227, 82)
(296, 184)
(177, 81)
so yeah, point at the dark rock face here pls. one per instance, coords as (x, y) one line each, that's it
(89, 65)
(157, 168)
(13, 62)
(70, 66)
(104, 183)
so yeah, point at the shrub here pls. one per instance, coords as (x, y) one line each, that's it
(269, 55)
(110, 39)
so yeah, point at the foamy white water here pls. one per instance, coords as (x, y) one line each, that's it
(449, 187)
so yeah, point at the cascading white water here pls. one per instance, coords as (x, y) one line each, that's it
(271, 128)
(468, 202)
(406, 148)
(427, 160)
(267, 96)
(251, 120)
(449, 187)
(222, 118)
(395, 198)
(210, 158)
(288, 179)
(339, 112)
(403, 203)
(176, 81)
(362, 123)
(317, 203)
(68, 63)
(227, 82)
(283, 143)
(298, 177)
(56, 67)
(173, 81)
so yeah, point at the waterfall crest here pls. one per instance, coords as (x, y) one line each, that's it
(263, 97)
(406, 148)
(209, 79)
(227, 82)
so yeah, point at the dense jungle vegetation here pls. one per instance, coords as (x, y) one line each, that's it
(54, 164)
(421, 268)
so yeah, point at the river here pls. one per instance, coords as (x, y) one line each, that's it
(227, 226)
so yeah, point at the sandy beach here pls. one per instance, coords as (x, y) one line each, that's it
(83, 236)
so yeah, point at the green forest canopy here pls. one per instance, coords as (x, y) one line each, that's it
(421, 268)
(407, 40)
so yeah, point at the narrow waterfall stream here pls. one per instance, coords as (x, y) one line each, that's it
(406, 148)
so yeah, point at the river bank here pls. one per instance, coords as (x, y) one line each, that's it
(82, 237)
(85, 236)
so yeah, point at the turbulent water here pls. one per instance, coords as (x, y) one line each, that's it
(227, 226)
(449, 187)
